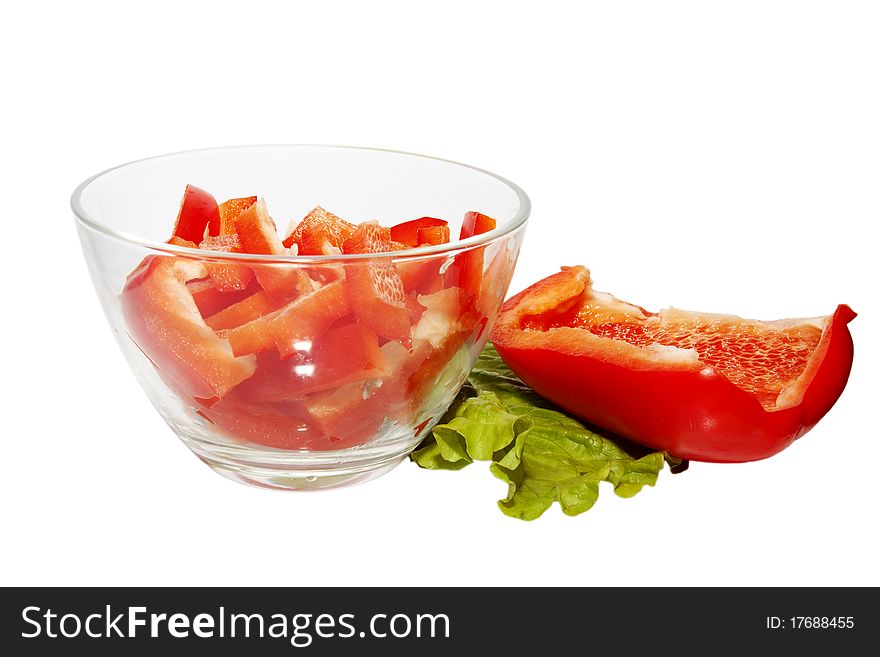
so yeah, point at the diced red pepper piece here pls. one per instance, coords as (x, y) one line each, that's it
(221, 243)
(226, 276)
(198, 209)
(228, 211)
(272, 425)
(252, 337)
(210, 300)
(319, 233)
(421, 276)
(256, 231)
(304, 318)
(343, 355)
(178, 241)
(467, 270)
(496, 278)
(244, 311)
(353, 413)
(257, 234)
(408, 232)
(344, 412)
(433, 235)
(368, 237)
(475, 223)
(348, 353)
(308, 317)
(165, 322)
(374, 288)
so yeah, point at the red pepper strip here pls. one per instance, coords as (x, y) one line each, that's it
(304, 318)
(257, 234)
(266, 424)
(467, 270)
(354, 412)
(319, 233)
(375, 290)
(433, 236)
(211, 301)
(252, 337)
(341, 356)
(165, 322)
(198, 209)
(244, 311)
(228, 211)
(226, 276)
(408, 232)
(308, 317)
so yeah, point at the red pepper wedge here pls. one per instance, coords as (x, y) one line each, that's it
(257, 234)
(353, 412)
(226, 276)
(210, 300)
(308, 317)
(319, 233)
(198, 210)
(244, 311)
(476, 223)
(273, 425)
(165, 322)
(432, 236)
(408, 232)
(467, 270)
(375, 290)
(303, 319)
(252, 337)
(421, 276)
(343, 355)
(702, 387)
(228, 211)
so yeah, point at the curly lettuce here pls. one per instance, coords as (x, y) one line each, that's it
(543, 454)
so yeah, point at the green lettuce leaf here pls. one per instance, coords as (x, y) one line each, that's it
(543, 454)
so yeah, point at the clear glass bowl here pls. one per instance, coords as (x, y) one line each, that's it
(312, 420)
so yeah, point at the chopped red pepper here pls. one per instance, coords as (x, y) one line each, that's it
(244, 311)
(408, 232)
(165, 322)
(342, 355)
(228, 211)
(475, 223)
(433, 236)
(227, 277)
(308, 317)
(198, 209)
(273, 425)
(374, 288)
(467, 270)
(210, 300)
(252, 337)
(293, 356)
(319, 233)
(257, 234)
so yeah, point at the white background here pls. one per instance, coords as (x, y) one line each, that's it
(714, 156)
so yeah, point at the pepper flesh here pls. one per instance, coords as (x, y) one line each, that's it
(662, 396)
(165, 322)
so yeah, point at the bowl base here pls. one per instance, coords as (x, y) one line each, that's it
(283, 479)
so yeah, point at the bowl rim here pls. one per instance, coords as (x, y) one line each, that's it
(518, 221)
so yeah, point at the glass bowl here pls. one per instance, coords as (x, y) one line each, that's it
(342, 398)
